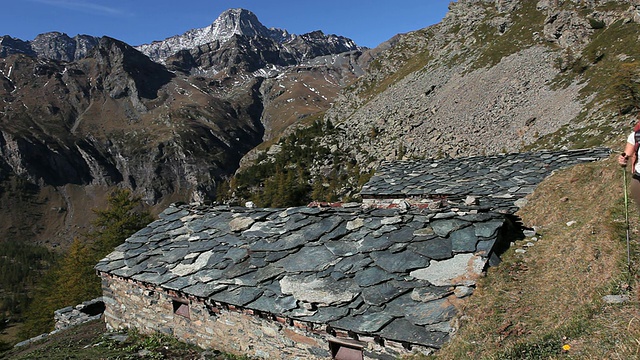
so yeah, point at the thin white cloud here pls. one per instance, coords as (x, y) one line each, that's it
(83, 6)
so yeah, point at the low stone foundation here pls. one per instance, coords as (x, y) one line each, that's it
(69, 317)
(75, 315)
(132, 304)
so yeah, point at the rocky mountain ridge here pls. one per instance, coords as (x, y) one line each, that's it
(52, 45)
(243, 23)
(447, 90)
(76, 123)
(75, 144)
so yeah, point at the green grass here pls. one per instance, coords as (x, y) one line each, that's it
(408, 56)
(519, 35)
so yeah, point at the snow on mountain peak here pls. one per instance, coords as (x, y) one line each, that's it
(231, 22)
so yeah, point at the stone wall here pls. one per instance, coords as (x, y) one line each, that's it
(71, 316)
(132, 304)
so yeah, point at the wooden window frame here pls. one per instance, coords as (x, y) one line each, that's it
(181, 308)
(343, 349)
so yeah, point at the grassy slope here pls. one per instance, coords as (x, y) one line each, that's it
(533, 304)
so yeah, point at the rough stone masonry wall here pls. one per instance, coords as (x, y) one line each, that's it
(131, 304)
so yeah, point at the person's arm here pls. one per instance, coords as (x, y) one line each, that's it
(624, 157)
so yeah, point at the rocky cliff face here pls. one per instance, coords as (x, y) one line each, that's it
(116, 116)
(58, 46)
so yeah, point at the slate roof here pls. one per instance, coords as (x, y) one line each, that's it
(387, 272)
(497, 181)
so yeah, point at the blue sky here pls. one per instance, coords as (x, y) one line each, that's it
(141, 21)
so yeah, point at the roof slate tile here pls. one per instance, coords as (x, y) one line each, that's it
(370, 322)
(309, 258)
(154, 277)
(286, 242)
(372, 276)
(382, 293)
(403, 330)
(325, 315)
(239, 296)
(464, 240)
(402, 262)
(514, 175)
(432, 312)
(436, 248)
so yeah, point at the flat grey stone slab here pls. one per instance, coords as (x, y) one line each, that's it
(464, 240)
(368, 323)
(431, 312)
(437, 249)
(399, 262)
(372, 276)
(315, 258)
(265, 303)
(286, 242)
(204, 290)
(325, 315)
(320, 291)
(430, 293)
(353, 264)
(403, 330)
(445, 227)
(383, 293)
(488, 229)
(240, 296)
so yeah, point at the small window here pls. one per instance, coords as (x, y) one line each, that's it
(181, 308)
(342, 351)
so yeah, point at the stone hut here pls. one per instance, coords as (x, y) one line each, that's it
(497, 183)
(313, 283)
(308, 283)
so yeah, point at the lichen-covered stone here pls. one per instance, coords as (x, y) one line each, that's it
(462, 269)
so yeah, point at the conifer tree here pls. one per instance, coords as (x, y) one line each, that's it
(73, 279)
(318, 191)
(118, 221)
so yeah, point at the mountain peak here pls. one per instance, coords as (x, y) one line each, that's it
(243, 21)
(240, 22)
(230, 23)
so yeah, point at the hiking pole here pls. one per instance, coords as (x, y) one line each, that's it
(626, 211)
